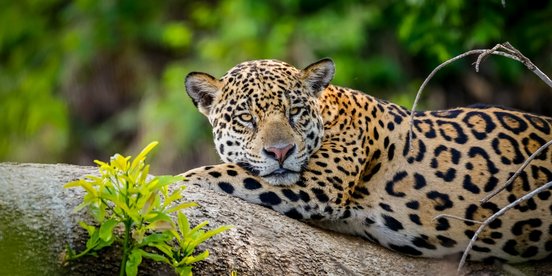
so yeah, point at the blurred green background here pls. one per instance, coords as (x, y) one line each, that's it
(83, 79)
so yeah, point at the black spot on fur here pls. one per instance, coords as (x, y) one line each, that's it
(531, 251)
(232, 172)
(488, 241)
(511, 122)
(510, 247)
(251, 184)
(470, 212)
(413, 205)
(346, 214)
(320, 195)
(392, 223)
(517, 229)
(215, 174)
(535, 235)
(443, 201)
(304, 196)
(515, 156)
(538, 123)
(290, 195)
(373, 171)
(391, 152)
(457, 135)
(415, 218)
(538, 141)
(423, 242)
(292, 213)
(470, 118)
(226, 187)
(419, 181)
(468, 185)
(316, 217)
(389, 187)
(406, 249)
(442, 224)
(446, 242)
(368, 221)
(480, 249)
(386, 207)
(270, 198)
(544, 195)
(496, 235)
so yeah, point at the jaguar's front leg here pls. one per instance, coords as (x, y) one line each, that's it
(296, 201)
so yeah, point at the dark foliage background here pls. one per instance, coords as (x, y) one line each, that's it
(80, 80)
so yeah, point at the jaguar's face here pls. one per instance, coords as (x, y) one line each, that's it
(264, 115)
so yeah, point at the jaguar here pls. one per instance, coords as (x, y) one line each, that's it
(343, 160)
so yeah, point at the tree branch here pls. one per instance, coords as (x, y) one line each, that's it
(505, 50)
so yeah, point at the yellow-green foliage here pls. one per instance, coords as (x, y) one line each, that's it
(125, 196)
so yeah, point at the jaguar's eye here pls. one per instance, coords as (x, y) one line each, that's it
(245, 117)
(294, 111)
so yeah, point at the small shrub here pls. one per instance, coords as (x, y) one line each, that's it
(124, 196)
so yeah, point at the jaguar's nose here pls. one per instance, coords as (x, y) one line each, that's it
(279, 154)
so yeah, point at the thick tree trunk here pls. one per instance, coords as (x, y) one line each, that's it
(36, 223)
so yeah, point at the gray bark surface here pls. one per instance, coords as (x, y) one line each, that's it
(37, 221)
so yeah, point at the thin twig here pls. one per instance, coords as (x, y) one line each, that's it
(495, 216)
(456, 217)
(507, 51)
(430, 76)
(516, 174)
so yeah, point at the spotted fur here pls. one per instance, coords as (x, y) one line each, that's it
(339, 159)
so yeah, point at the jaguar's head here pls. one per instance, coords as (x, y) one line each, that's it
(265, 115)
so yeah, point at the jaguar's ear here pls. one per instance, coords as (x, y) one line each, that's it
(318, 75)
(202, 88)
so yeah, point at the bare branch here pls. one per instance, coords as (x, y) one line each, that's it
(516, 174)
(507, 50)
(495, 216)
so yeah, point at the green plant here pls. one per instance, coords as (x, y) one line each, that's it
(124, 196)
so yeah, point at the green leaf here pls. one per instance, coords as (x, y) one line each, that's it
(76, 183)
(120, 162)
(177, 194)
(142, 155)
(165, 180)
(193, 259)
(163, 247)
(133, 261)
(101, 243)
(156, 238)
(212, 233)
(93, 240)
(192, 232)
(106, 229)
(158, 216)
(181, 206)
(81, 206)
(88, 187)
(183, 224)
(153, 256)
(184, 270)
(90, 228)
(161, 225)
(147, 204)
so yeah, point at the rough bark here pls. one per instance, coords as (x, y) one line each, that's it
(36, 222)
